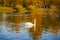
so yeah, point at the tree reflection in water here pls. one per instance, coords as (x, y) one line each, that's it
(42, 24)
(47, 21)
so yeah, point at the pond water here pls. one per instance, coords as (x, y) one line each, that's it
(11, 31)
(23, 34)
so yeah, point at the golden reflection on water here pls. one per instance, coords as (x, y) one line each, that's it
(46, 18)
(41, 22)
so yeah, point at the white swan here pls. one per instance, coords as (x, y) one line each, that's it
(26, 25)
(29, 25)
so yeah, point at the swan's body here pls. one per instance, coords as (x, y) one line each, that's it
(26, 25)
